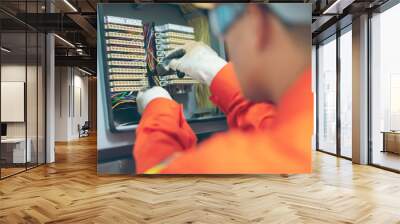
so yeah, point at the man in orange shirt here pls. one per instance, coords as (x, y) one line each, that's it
(265, 92)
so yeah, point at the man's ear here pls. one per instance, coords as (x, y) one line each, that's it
(263, 26)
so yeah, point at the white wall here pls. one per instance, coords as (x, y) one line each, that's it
(80, 112)
(61, 103)
(13, 72)
(16, 73)
(71, 94)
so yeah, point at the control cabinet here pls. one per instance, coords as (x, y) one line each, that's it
(132, 42)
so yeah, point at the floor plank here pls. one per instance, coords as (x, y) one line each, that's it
(69, 191)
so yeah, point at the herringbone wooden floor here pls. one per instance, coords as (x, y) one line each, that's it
(70, 191)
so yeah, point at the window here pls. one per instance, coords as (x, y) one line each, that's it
(346, 93)
(327, 95)
(22, 76)
(385, 89)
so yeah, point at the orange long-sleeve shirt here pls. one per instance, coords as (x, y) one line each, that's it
(263, 138)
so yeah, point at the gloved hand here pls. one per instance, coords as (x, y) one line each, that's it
(199, 61)
(143, 98)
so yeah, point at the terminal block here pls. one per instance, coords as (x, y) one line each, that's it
(125, 59)
(169, 37)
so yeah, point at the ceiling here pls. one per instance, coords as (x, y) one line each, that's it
(76, 22)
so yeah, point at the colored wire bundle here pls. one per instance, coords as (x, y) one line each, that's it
(149, 44)
(120, 98)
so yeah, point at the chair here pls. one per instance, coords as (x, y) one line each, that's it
(84, 130)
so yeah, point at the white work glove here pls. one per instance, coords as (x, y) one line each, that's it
(199, 61)
(143, 98)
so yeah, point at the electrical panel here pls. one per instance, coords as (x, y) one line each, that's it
(168, 38)
(131, 48)
(125, 58)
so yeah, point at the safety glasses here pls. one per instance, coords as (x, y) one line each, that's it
(224, 16)
(291, 14)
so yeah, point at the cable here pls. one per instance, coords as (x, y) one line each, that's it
(123, 102)
(202, 33)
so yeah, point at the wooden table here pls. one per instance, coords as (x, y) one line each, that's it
(391, 141)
